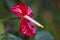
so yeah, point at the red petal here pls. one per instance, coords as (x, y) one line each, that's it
(27, 28)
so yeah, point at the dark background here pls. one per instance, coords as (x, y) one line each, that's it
(46, 12)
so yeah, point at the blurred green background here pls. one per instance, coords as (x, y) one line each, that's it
(46, 12)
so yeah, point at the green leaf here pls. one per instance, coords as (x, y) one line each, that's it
(10, 37)
(43, 35)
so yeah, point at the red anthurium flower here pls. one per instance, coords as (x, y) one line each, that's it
(27, 28)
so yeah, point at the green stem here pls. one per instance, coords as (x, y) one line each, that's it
(1, 30)
(26, 38)
(8, 19)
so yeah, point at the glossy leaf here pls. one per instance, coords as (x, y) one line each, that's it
(43, 35)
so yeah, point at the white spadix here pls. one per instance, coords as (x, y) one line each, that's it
(33, 21)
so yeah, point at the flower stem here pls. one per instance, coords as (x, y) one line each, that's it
(1, 30)
(8, 19)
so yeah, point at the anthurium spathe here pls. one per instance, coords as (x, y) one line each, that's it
(26, 27)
